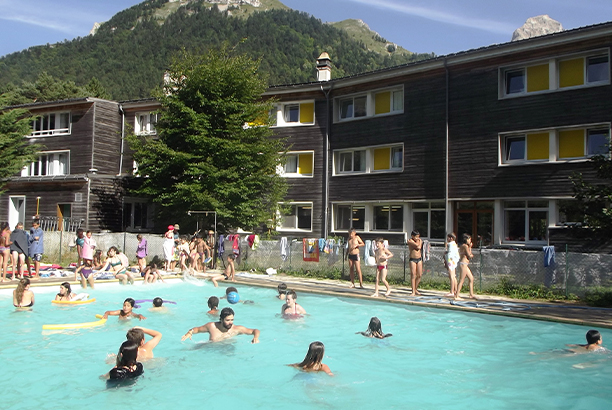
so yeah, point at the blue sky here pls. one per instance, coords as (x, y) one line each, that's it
(439, 26)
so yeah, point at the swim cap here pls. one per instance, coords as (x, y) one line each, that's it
(233, 297)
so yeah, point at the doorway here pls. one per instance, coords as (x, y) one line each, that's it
(64, 213)
(476, 219)
(16, 211)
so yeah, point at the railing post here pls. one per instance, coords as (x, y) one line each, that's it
(60, 247)
(566, 271)
(404, 250)
(480, 267)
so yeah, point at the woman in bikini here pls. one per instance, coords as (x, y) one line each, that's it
(313, 362)
(117, 266)
(415, 244)
(23, 297)
(65, 293)
(465, 255)
(5, 248)
(291, 308)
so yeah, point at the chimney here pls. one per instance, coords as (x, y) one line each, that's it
(323, 67)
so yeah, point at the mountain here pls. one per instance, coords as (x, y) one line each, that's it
(537, 26)
(129, 53)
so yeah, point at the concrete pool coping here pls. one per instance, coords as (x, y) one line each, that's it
(561, 312)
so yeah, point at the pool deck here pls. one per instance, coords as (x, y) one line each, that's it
(562, 312)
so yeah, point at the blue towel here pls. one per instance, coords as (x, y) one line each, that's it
(321, 244)
(549, 255)
(221, 249)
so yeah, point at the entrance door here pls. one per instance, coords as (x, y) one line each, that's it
(475, 219)
(16, 211)
(64, 212)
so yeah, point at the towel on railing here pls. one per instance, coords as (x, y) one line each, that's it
(549, 255)
(283, 248)
(426, 249)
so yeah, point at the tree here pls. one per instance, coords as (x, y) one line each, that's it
(15, 151)
(595, 199)
(205, 156)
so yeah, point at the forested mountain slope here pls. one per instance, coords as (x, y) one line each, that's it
(130, 52)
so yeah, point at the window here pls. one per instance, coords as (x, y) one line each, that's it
(377, 102)
(370, 159)
(555, 74)
(294, 113)
(598, 142)
(580, 143)
(298, 164)
(349, 216)
(429, 218)
(529, 147)
(145, 123)
(526, 221)
(136, 215)
(351, 161)
(51, 124)
(389, 218)
(49, 163)
(297, 217)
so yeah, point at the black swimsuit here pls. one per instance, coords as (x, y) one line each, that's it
(123, 373)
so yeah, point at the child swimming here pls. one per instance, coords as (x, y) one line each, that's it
(313, 362)
(213, 305)
(126, 312)
(375, 330)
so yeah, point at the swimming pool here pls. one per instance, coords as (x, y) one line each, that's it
(437, 358)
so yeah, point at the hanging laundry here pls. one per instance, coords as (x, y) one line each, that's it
(426, 249)
(221, 249)
(321, 244)
(310, 249)
(250, 240)
(549, 255)
(255, 242)
(283, 248)
(236, 244)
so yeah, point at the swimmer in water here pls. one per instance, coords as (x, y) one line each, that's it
(137, 335)
(291, 308)
(594, 341)
(213, 305)
(223, 329)
(282, 291)
(158, 306)
(65, 293)
(313, 362)
(126, 312)
(375, 330)
(127, 365)
(23, 297)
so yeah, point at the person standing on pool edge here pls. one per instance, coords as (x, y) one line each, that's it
(415, 244)
(354, 243)
(223, 329)
(382, 254)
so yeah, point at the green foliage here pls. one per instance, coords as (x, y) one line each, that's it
(595, 197)
(506, 287)
(49, 88)
(129, 53)
(598, 297)
(204, 157)
(15, 150)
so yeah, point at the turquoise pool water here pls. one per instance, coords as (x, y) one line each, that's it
(437, 359)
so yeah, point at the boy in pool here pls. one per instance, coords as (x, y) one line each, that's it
(126, 312)
(137, 335)
(282, 291)
(158, 306)
(291, 308)
(594, 341)
(228, 274)
(231, 289)
(213, 304)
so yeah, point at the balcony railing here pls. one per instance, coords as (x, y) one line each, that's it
(56, 223)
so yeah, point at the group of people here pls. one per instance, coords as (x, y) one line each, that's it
(21, 247)
(454, 256)
(181, 250)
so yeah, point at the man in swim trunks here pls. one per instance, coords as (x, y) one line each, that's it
(223, 329)
(415, 244)
(291, 308)
(137, 335)
(354, 242)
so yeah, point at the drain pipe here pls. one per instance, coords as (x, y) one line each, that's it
(326, 161)
(122, 138)
(449, 224)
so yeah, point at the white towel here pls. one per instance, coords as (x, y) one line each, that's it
(283, 247)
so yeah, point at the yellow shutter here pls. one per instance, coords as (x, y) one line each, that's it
(307, 113)
(382, 158)
(571, 72)
(537, 78)
(383, 103)
(305, 164)
(537, 146)
(571, 144)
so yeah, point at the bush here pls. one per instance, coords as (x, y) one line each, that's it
(598, 297)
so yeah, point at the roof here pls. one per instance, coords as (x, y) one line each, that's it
(58, 103)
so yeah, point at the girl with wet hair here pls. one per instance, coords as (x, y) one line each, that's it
(375, 330)
(313, 362)
(127, 366)
(23, 296)
(65, 292)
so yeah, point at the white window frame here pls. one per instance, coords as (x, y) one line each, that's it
(294, 205)
(553, 70)
(335, 214)
(553, 144)
(370, 97)
(281, 169)
(150, 119)
(278, 112)
(428, 211)
(50, 160)
(527, 209)
(388, 205)
(57, 129)
(369, 160)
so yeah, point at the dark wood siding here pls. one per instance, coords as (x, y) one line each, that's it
(106, 205)
(107, 137)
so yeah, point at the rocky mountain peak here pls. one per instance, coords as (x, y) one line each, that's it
(537, 26)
